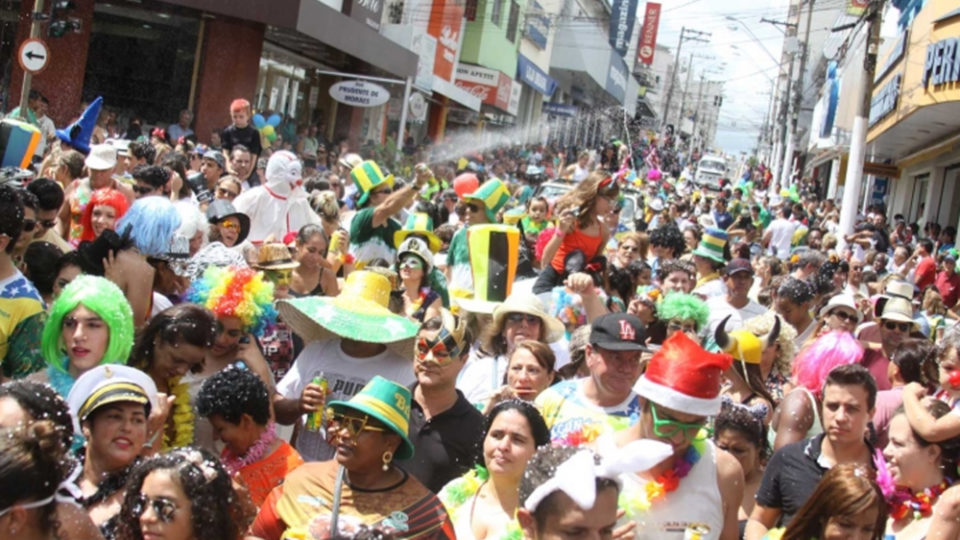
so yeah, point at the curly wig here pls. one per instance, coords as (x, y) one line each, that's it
(678, 305)
(236, 292)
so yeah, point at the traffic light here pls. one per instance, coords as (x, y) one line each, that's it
(61, 22)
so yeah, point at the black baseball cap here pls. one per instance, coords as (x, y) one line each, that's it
(618, 332)
(738, 265)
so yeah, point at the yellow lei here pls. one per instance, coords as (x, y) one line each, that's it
(182, 416)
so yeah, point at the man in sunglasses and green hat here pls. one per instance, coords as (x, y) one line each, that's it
(378, 205)
(482, 205)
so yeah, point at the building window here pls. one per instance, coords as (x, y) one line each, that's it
(497, 9)
(513, 21)
(470, 10)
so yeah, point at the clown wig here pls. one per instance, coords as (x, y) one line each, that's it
(236, 292)
(102, 297)
(678, 305)
(102, 197)
(152, 222)
(814, 363)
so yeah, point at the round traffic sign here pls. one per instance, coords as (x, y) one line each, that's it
(34, 55)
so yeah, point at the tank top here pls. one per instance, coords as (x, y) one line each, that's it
(590, 245)
(696, 500)
(814, 430)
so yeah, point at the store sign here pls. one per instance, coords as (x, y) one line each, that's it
(559, 109)
(942, 64)
(648, 33)
(425, 46)
(418, 107)
(489, 85)
(537, 26)
(622, 16)
(514, 105)
(885, 101)
(617, 77)
(895, 55)
(366, 11)
(536, 78)
(446, 25)
(359, 93)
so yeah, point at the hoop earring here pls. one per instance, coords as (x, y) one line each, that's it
(387, 458)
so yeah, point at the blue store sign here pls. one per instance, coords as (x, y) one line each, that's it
(537, 26)
(559, 109)
(616, 84)
(531, 74)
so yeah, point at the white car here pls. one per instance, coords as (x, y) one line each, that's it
(710, 170)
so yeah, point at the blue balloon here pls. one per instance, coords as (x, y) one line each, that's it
(258, 121)
(274, 120)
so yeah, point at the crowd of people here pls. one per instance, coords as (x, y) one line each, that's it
(233, 339)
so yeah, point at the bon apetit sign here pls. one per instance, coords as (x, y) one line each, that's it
(622, 17)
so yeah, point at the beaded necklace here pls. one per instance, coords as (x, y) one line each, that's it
(640, 500)
(255, 453)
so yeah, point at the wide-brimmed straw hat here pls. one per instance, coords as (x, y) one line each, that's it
(275, 256)
(522, 302)
(899, 310)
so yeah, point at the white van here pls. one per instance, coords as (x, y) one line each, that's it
(710, 170)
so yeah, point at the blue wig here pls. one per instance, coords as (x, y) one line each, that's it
(152, 222)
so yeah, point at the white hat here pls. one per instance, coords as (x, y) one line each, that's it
(109, 383)
(841, 300)
(102, 157)
(122, 146)
(523, 302)
(898, 309)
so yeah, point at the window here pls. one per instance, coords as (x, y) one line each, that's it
(513, 21)
(497, 9)
(470, 10)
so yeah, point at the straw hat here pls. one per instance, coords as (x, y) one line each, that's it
(841, 300)
(275, 256)
(899, 310)
(521, 302)
(359, 313)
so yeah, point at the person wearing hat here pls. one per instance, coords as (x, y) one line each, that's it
(349, 339)
(738, 278)
(370, 432)
(277, 264)
(577, 411)
(414, 264)
(373, 228)
(101, 162)
(420, 225)
(840, 313)
(482, 206)
(280, 205)
(212, 167)
(677, 393)
(110, 405)
(896, 324)
(709, 260)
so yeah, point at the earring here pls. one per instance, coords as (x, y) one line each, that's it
(387, 457)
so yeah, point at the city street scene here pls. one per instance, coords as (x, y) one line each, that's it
(479, 270)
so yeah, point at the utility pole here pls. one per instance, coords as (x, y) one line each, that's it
(686, 34)
(779, 120)
(797, 103)
(683, 97)
(858, 137)
(696, 111)
(38, 17)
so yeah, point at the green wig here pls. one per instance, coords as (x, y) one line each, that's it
(101, 296)
(678, 305)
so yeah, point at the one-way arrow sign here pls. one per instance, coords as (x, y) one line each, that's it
(33, 55)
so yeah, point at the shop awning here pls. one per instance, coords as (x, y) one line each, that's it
(318, 21)
(454, 92)
(581, 47)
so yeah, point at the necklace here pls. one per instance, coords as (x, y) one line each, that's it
(918, 505)
(182, 417)
(640, 499)
(255, 453)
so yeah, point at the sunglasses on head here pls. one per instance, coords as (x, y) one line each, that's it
(518, 318)
(902, 326)
(164, 508)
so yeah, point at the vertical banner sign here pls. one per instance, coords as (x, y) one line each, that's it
(445, 24)
(622, 17)
(648, 34)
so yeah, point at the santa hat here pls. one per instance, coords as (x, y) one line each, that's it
(684, 377)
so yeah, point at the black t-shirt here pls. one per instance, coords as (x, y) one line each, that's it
(446, 446)
(247, 136)
(790, 477)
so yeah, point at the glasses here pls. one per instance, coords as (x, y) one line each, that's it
(472, 207)
(164, 508)
(223, 192)
(667, 428)
(29, 225)
(689, 328)
(517, 318)
(231, 224)
(903, 327)
(411, 262)
(142, 190)
(47, 223)
(353, 424)
(845, 316)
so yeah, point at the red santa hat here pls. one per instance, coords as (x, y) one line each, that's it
(684, 377)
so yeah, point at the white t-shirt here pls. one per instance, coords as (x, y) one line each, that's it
(720, 308)
(345, 376)
(781, 234)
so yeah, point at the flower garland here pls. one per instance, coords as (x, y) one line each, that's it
(255, 453)
(182, 416)
(918, 505)
(419, 301)
(640, 500)
(455, 495)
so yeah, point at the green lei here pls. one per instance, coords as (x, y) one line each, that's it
(455, 495)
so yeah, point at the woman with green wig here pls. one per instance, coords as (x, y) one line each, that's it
(682, 312)
(90, 323)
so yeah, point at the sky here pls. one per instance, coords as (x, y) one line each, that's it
(733, 55)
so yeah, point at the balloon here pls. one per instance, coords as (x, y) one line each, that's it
(271, 137)
(465, 184)
(654, 175)
(274, 119)
(268, 131)
(258, 121)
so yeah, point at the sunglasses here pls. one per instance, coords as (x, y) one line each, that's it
(353, 424)
(845, 316)
(517, 318)
(29, 225)
(411, 262)
(231, 224)
(667, 428)
(472, 207)
(222, 192)
(142, 190)
(903, 327)
(164, 508)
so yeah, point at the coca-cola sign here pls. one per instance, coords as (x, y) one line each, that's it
(489, 85)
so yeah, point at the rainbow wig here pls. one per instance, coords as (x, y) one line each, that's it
(236, 292)
(816, 360)
(678, 305)
(101, 296)
(102, 197)
(152, 222)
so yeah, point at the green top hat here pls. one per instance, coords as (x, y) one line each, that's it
(367, 176)
(389, 403)
(493, 194)
(711, 244)
(419, 224)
